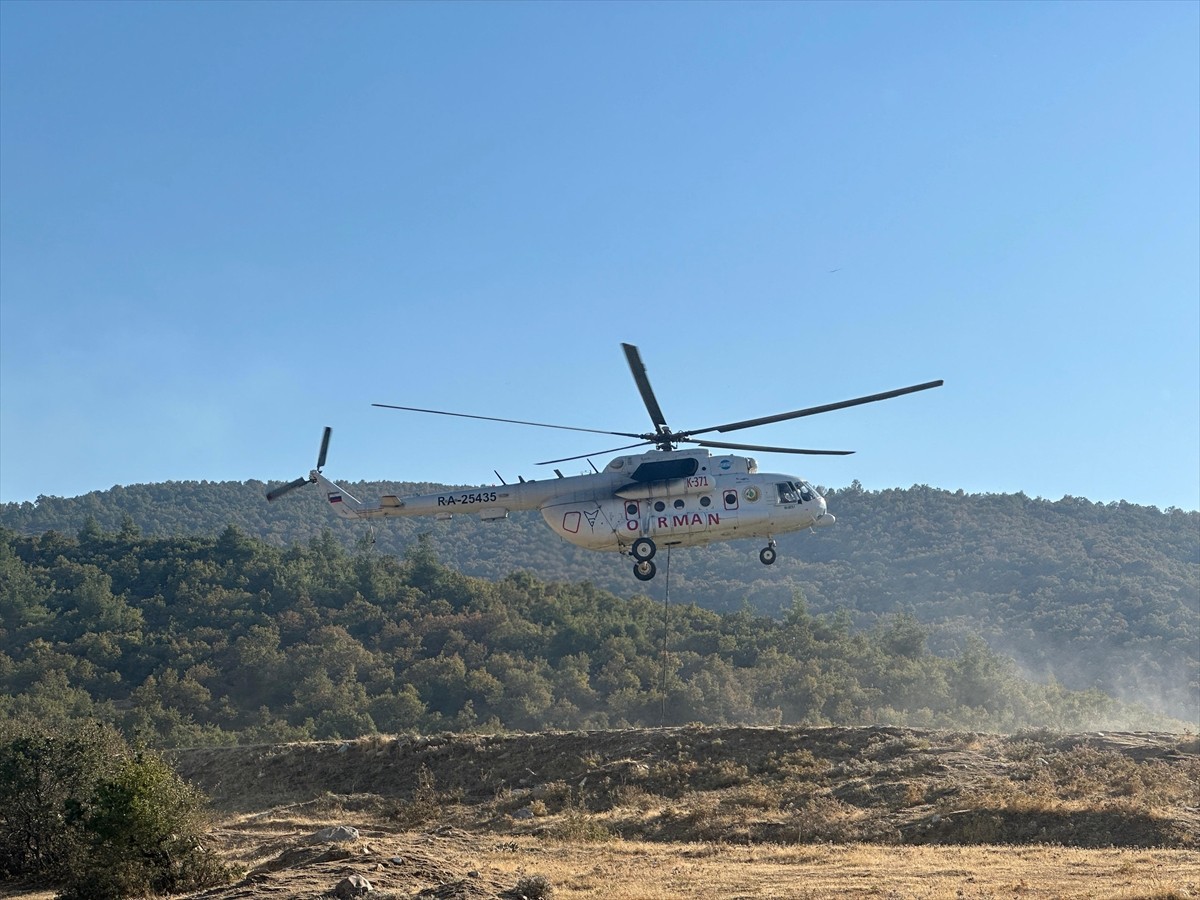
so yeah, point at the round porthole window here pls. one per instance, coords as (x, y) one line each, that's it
(706, 501)
(631, 509)
(659, 506)
(679, 504)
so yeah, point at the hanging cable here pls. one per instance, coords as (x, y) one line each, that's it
(365, 544)
(662, 721)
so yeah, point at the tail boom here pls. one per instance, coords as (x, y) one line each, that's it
(343, 502)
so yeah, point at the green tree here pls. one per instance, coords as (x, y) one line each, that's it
(43, 775)
(143, 830)
(80, 809)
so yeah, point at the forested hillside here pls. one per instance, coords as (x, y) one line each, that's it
(1093, 595)
(225, 638)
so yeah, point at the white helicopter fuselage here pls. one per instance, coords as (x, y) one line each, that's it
(682, 498)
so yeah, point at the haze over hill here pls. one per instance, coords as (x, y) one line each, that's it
(1094, 595)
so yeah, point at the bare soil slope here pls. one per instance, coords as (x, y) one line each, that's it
(727, 811)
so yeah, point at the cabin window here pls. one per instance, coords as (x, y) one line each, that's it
(659, 506)
(706, 501)
(631, 510)
(806, 491)
(731, 500)
(787, 492)
(679, 504)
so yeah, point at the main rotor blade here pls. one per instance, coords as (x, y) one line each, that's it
(442, 412)
(324, 447)
(643, 384)
(724, 446)
(814, 410)
(285, 489)
(597, 453)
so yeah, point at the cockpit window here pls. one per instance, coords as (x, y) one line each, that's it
(796, 491)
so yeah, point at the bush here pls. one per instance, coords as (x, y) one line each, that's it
(533, 887)
(44, 777)
(84, 810)
(144, 829)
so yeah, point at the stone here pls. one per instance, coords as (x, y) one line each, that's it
(353, 886)
(334, 834)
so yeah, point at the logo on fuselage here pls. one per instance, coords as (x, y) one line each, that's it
(689, 520)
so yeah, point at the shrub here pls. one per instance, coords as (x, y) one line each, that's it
(426, 805)
(44, 776)
(576, 825)
(82, 809)
(533, 887)
(144, 829)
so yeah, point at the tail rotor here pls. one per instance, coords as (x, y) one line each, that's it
(278, 492)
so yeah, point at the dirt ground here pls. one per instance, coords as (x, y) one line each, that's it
(716, 812)
(729, 813)
(448, 863)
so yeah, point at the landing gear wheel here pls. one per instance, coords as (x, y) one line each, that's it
(644, 570)
(767, 555)
(643, 549)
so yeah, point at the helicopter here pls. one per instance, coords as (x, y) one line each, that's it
(670, 496)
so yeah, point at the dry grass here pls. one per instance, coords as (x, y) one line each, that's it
(1084, 779)
(644, 871)
(450, 863)
(740, 813)
(729, 814)
(583, 869)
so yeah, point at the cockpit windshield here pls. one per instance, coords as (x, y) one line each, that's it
(796, 491)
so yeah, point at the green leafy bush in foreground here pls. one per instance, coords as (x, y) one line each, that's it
(79, 807)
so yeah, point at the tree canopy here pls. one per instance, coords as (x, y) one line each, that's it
(1103, 596)
(225, 638)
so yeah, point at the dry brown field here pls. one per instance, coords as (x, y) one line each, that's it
(728, 813)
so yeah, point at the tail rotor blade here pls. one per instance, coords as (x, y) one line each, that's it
(285, 489)
(324, 447)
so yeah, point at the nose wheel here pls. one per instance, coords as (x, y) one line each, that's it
(767, 554)
(644, 570)
(643, 549)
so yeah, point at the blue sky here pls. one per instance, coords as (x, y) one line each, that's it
(224, 226)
